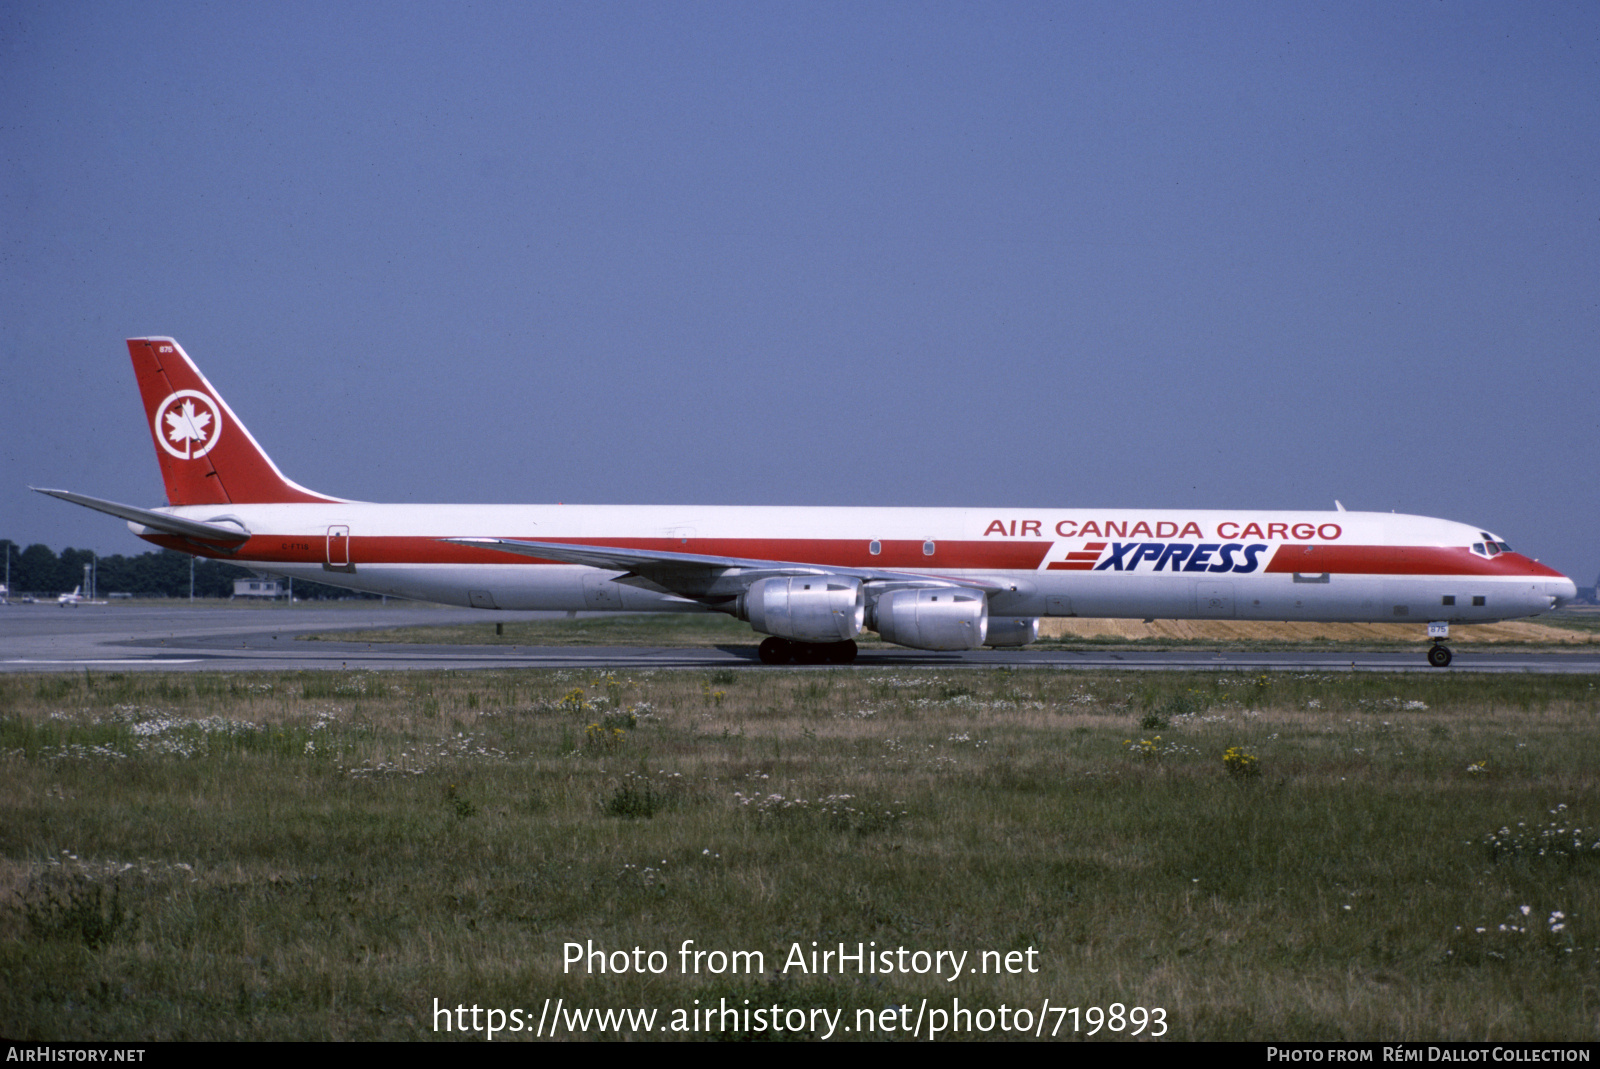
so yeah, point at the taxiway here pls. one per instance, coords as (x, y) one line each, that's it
(254, 638)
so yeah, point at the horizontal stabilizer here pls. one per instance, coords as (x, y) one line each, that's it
(160, 521)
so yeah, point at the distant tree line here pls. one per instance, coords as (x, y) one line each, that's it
(38, 571)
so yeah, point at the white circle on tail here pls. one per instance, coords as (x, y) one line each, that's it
(188, 424)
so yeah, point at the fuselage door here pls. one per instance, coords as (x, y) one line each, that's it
(339, 550)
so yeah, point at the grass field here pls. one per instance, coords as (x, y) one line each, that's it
(323, 855)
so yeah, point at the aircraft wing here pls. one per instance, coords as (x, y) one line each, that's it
(160, 521)
(699, 575)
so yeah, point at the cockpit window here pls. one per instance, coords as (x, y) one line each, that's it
(1490, 548)
(1477, 547)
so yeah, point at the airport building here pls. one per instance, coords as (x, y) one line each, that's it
(260, 588)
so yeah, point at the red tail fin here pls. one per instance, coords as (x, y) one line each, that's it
(207, 457)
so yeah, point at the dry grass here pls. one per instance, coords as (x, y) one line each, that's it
(1522, 631)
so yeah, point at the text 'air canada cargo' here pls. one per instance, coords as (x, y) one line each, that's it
(812, 579)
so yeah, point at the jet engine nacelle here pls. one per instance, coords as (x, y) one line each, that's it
(808, 608)
(1012, 630)
(945, 618)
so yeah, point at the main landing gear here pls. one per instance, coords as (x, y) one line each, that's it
(777, 650)
(1439, 654)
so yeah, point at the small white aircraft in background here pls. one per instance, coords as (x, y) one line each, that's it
(812, 579)
(74, 599)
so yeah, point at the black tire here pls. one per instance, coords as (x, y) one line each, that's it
(775, 650)
(1439, 657)
(841, 652)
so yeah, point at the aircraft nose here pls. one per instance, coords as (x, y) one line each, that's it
(1562, 592)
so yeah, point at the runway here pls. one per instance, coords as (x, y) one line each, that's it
(256, 638)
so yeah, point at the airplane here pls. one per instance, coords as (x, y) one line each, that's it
(813, 579)
(74, 599)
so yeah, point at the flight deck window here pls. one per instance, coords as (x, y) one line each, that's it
(1477, 547)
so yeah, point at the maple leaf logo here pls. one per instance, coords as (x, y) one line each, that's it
(187, 424)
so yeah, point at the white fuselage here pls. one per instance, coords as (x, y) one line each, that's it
(1331, 566)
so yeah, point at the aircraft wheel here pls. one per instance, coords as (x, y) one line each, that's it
(841, 652)
(1439, 656)
(775, 650)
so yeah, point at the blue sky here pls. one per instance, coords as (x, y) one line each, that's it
(1143, 255)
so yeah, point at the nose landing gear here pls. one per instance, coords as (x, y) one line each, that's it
(1439, 654)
